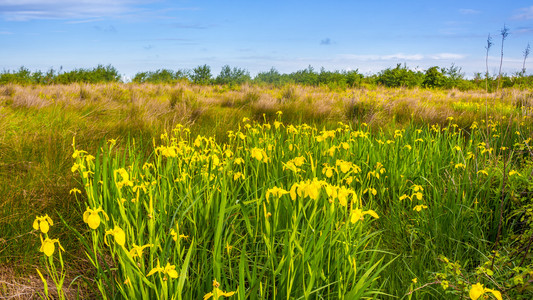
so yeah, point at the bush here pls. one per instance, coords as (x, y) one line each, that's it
(399, 77)
(233, 76)
(201, 75)
(160, 76)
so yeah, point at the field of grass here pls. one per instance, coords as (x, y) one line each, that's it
(184, 191)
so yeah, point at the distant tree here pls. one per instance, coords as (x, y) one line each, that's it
(160, 76)
(306, 77)
(400, 77)
(433, 78)
(453, 76)
(201, 75)
(233, 76)
(353, 78)
(271, 77)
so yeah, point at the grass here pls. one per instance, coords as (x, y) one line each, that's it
(441, 144)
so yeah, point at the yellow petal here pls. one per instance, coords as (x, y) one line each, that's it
(153, 271)
(496, 294)
(48, 247)
(172, 273)
(36, 224)
(43, 225)
(476, 291)
(225, 294)
(93, 220)
(120, 236)
(372, 213)
(356, 215)
(86, 214)
(49, 220)
(208, 295)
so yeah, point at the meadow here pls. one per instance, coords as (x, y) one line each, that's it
(181, 191)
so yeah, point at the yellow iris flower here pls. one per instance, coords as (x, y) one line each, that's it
(276, 192)
(419, 207)
(477, 290)
(43, 223)
(217, 293)
(48, 246)
(92, 218)
(169, 270)
(359, 215)
(137, 251)
(118, 233)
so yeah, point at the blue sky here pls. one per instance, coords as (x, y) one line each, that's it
(289, 35)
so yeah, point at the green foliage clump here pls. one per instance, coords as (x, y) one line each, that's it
(100, 74)
(400, 77)
(235, 76)
(160, 76)
(201, 75)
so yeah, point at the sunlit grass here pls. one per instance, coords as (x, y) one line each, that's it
(269, 206)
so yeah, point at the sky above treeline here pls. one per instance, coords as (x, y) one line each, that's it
(370, 36)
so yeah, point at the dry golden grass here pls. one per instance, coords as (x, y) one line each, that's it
(37, 124)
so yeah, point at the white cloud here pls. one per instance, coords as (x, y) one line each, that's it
(24, 10)
(525, 13)
(450, 56)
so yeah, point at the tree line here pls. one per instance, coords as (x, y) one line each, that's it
(399, 76)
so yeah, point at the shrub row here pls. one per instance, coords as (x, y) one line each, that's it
(399, 76)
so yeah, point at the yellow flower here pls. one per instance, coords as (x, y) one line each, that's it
(331, 191)
(43, 223)
(169, 270)
(328, 171)
(75, 191)
(258, 154)
(460, 165)
(345, 146)
(418, 195)
(483, 172)
(137, 251)
(445, 284)
(118, 233)
(345, 166)
(513, 172)
(217, 293)
(48, 246)
(414, 280)
(313, 189)
(238, 175)
(125, 178)
(92, 218)
(419, 207)
(75, 167)
(477, 290)
(276, 192)
(417, 187)
(342, 195)
(358, 215)
(77, 153)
